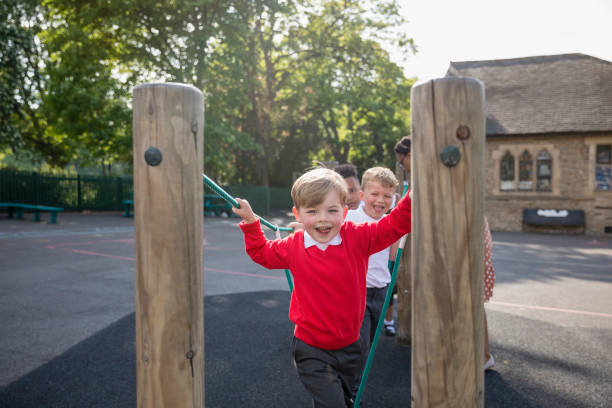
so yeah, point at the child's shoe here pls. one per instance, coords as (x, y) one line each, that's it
(389, 330)
(489, 364)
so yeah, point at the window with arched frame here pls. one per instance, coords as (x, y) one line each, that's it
(506, 172)
(525, 172)
(603, 168)
(530, 169)
(544, 171)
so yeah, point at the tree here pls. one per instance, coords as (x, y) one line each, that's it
(309, 70)
(349, 86)
(285, 81)
(84, 101)
(180, 41)
(23, 130)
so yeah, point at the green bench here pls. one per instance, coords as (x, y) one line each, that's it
(128, 205)
(18, 209)
(215, 205)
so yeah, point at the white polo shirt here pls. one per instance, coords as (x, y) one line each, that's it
(378, 264)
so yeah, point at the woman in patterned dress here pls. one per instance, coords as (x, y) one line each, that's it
(403, 157)
(489, 282)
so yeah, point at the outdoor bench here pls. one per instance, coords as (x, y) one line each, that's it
(215, 204)
(19, 208)
(127, 206)
(566, 218)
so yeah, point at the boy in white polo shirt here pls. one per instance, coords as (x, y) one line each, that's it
(378, 186)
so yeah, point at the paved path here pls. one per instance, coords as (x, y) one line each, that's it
(66, 301)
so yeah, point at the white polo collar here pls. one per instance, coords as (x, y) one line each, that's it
(310, 241)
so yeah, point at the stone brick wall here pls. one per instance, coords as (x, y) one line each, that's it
(572, 183)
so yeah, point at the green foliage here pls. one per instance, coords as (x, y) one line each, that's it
(84, 102)
(349, 86)
(286, 82)
(22, 127)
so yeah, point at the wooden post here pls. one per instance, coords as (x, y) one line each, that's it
(168, 194)
(447, 243)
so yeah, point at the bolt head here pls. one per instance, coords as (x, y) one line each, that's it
(463, 132)
(153, 156)
(450, 155)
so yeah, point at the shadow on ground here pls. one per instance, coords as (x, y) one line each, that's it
(247, 365)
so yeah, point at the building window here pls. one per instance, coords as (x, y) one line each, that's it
(506, 172)
(603, 167)
(525, 172)
(544, 167)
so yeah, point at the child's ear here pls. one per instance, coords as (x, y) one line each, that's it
(296, 214)
(361, 195)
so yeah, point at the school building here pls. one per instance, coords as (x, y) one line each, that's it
(549, 142)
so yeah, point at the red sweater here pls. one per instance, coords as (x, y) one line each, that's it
(328, 299)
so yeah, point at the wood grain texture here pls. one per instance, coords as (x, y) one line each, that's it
(168, 222)
(447, 245)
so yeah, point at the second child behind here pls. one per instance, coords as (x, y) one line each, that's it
(378, 186)
(328, 261)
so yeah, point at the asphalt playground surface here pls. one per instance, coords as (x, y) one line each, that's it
(67, 321)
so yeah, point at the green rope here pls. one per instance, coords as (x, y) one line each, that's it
(231, 200)
(366, 370)
(215, 187)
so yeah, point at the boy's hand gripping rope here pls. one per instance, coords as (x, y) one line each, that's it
(217, 189)
(366, 369)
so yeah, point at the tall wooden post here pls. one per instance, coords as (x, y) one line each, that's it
(168, 194)
(448, 130)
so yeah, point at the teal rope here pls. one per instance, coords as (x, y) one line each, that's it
(366, 370)
(289, 280)
(231, 200)
(215, 187)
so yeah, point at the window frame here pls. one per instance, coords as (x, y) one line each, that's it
(544, 158)
(499, 151)
(603, 168)
(522, 183)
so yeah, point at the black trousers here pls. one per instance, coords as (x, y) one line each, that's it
(375, 300)
(328, 375)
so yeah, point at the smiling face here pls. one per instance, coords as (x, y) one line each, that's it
(377, 199)
(322, 221)
(352, 198)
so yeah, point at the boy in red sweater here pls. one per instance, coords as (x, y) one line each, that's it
(329, 262)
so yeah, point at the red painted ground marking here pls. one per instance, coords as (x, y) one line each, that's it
(552, 309)
(254, 275)
(80, 251)
(104, 241)
(126, 258)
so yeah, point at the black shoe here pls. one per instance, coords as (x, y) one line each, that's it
(389, 330)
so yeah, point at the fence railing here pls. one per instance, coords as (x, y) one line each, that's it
(73, 193)
(77, 193)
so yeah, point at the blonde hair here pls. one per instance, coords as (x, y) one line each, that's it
(311, 187)
(384, 176)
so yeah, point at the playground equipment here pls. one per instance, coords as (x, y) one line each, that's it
(447, 246)
(168, 221)
(19, 208)
(448, 129)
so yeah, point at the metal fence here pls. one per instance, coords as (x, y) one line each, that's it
(73, 193)
(76, 193)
